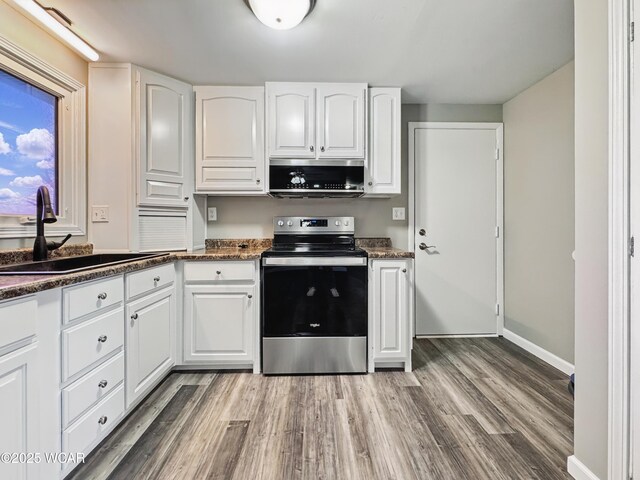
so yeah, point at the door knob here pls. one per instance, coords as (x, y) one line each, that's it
(424, 246)
(422, 232)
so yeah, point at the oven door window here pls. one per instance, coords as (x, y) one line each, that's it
(315, 301)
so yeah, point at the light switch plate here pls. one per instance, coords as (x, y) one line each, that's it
(100, 213)
(398, 213)
(212, 214)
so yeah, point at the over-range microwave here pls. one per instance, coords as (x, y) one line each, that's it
(316, 178)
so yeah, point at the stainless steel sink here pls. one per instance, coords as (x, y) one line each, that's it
(74, 264)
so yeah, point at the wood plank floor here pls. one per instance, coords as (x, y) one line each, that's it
(471, 409)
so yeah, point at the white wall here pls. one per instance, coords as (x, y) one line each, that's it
(252, 217)
(539, 213)
(23, 32)
(591, 304)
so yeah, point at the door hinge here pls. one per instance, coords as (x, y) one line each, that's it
(632, 246)
(497, 309)
(497, 232)
(497, 154)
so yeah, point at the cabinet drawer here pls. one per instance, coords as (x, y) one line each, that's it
(93, 425)
(219, 271)
(90, 341)
(91, 388)
(149, 280)
(17, 320)
(91, 297)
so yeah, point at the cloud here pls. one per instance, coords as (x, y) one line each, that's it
(6, 125)
(7, 194)
(37, 144)
(6, 172)
(4, 146)
(46, 164)
(34, 181)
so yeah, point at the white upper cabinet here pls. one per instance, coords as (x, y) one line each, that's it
(291, 119)
(382, 175)
(324, 120)
(230, 140)
(341, 120)
(165, 141)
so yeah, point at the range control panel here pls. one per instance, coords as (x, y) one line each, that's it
(313, 225)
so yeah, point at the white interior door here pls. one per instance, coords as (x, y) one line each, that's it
(457, 214)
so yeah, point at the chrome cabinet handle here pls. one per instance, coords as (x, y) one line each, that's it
(311, 148)
(134, 316)
(102, 338)
(102, 420)
(371, 184)
(404, 270)
(424, 246)
(103, 384)
(102, 296)
(258, 180)
(156, 279)
(422, 232)
(249, 296)
(218, 272)
(322, 149)
(186, 199)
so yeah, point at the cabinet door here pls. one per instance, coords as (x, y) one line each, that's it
(341, 120)
(150, 342)
(291, 120)
(165, 142)
(18, 411)
(383, 164)
(230, 139)
(219, 324)
(389, 295)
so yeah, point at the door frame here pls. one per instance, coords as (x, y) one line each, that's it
(499, 131)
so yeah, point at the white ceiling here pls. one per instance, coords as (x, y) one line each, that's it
(438, 51)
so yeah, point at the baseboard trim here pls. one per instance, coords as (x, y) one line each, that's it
(539, 352)
(477, 335)
(578, 470)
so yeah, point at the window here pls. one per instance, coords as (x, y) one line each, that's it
(28, 145)
(43, 142)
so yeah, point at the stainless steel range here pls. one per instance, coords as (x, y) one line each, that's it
(314, 298)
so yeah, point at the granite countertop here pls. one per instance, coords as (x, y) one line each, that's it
(12, 286)
(382, 248)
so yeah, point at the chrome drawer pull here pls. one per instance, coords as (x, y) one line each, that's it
(218, 272)
(156, 279)
(102, 296)
(134, 316)
(102, 338)
(103, 419)
(103, 384)
(404, 270)
(249, 296)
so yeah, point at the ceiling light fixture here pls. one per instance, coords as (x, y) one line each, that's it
(281, 14)
(35, 10)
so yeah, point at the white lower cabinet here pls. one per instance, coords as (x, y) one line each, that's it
(150, 342)
(219, 323)
(390, 313)
(221, 314)
(19, 411)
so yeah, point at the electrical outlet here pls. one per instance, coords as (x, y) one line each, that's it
(100, 213)
(398, 213)
(212, 214)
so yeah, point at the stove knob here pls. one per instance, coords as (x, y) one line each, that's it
(280, 223)
(337, 223)
(290, 223)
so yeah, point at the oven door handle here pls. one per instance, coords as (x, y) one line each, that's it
(315, 261)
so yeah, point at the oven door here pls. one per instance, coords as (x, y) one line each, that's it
(314, 296)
